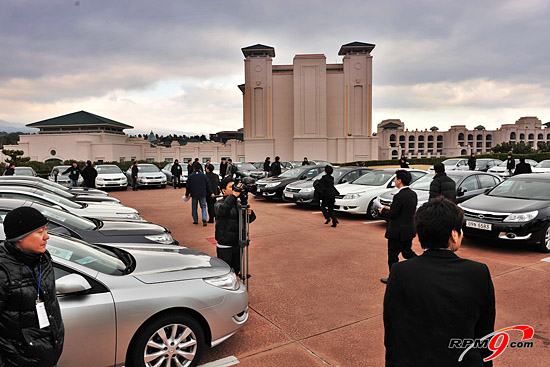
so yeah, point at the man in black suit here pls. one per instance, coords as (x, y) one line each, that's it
(438, 296)
(400, 231)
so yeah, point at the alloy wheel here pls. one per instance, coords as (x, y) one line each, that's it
(173, 345)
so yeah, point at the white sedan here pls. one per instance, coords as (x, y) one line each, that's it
(110, 176)
(358, 196)
(542, 167)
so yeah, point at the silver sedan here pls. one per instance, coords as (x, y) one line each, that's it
(143, 307)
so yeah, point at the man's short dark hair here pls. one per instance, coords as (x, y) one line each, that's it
(404, 176)
(210, 168)
(435, 222)
(439, 167)
(223, 158)
(277, 158)
(522, 160)
(197, 166)
(329, 169)
(190, 160)
(225, 181)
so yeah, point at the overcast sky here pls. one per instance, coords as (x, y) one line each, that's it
(174, 66)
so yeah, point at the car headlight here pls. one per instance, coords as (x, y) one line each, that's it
(272, 184)
(165, 238)
(521, 217)
(129, 215)
(308, 189)
(100, 179)
(228, 281)
(354, 195)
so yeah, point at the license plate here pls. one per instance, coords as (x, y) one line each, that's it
(289, 195)
(479, 225)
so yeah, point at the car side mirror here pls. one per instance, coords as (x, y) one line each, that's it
(487, 190)
(344, 180)
(72, 283)
(461, 191)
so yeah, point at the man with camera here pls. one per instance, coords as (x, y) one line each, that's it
(227, 222)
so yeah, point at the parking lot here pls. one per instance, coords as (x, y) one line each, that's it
(315, 294)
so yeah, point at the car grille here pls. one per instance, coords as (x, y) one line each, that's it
(385, 202)
(111, 179)
(484, 215)
(152, 178)
(292, 190)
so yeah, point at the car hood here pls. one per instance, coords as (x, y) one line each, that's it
(497, 169)
(347, 188)
(111, 175)
(86, 191)
(278, 179)
(120, 228)
(102, 208)
(540, 170)
(173, 263)
(99, 199)
(152, 174)
(422, 195)
(503, 205)
(301, 184)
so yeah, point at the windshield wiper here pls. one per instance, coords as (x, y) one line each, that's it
(126, 258)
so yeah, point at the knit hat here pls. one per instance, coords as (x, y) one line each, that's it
(21, 222)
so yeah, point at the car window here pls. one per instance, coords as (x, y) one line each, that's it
(292, 173)
(149, 168)
(168, 167)
(470, 183)
(416, 175)
(312, 173)
(64, 217)
(450, 162)
(11, 195)
(352, 175)
(108, 169)
(486, 181)
(375, 178)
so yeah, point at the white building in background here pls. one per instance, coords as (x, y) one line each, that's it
(394, 139)
(84, 136)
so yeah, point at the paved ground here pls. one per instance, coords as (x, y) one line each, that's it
(315, 294)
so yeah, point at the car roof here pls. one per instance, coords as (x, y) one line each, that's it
(19, 188)
(106, 165)
(468, 173)
(537, 176)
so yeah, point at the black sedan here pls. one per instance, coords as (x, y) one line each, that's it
(468, 185)
(72, 190)
(245, 169)
(301, 192)
(516, 210)
(274, 186)
(94, 230)
(99, 199)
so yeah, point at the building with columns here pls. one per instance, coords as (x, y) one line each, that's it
(310, 108)
(394, 140)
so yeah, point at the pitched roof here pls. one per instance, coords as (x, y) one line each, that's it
(258, 49)
(78, 118)
(390, 125)
(356, 47)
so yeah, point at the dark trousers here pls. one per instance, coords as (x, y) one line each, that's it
(210, 204)
(327, 207)
(395, 247)
(134, 183)
(232, 256)
(176, 181)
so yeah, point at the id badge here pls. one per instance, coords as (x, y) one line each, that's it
(42, 315)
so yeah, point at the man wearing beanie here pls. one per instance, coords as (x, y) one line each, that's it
(31, 328)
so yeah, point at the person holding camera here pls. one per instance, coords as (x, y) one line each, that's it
(227, 223)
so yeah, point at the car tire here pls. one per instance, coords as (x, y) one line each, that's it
(124, 188)
(162, 186)
(370, 210)
(545, 244)
(158, 332)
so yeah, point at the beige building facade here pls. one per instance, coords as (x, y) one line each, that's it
(395, 140)
(310, 108)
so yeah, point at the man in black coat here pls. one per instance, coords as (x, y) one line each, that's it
(438, 296)
(227, 225)
(442, 185)
(472, 162)
(403, 162)
(214, 181)
(198, 188)
(223, 168)
(510, 164)
(31, 327)
(267, 166)
(89, 174)
(176, 174)
(74, 174)
(189, 167)
(400, 231)
(305, 162)
(276, 167)
(10, 171)
(327, 194)
(522, 167)
(134, 174)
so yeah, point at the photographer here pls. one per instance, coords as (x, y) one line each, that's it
(227, 223)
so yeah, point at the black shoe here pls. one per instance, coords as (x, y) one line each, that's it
(204, 223)
(334, 224)
(384, 280)
(327, 221)
(195, 222)
(211, 221)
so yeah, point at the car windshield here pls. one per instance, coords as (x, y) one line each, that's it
(59, 169)
(149, 168)
(64, 217)
(91, 256)
(336, 174)
(543, 164)
(450, 162)
(504, 163)
(58, 199)
(523, 188)
(482, 162)
(377, 178)
(23, 171)
(423, 183)
(55, 185)
(292, 173)
(108, 169)
(245, 166)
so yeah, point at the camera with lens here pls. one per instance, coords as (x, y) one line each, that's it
(248, 185)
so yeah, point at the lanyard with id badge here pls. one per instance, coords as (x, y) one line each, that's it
(40, 308)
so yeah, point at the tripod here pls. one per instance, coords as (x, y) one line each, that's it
(244, 237)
